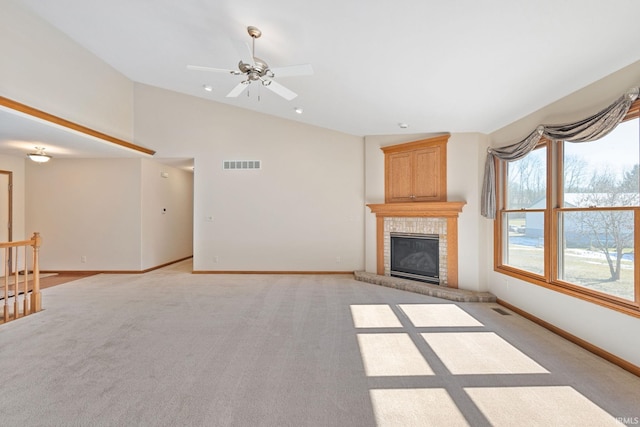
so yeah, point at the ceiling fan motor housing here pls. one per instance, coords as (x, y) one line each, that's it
(259, 69)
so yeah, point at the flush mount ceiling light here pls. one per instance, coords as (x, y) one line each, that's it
(298, 110)
(403, 125)
(39, 156)
(207, 88)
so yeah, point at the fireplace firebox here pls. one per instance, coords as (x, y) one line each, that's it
(416, 257)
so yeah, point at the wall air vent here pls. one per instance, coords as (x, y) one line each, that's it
(241, 164)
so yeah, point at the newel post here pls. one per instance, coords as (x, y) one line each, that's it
(36, 301)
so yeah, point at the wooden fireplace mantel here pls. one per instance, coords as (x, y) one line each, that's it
(418, 209)
(448, 210)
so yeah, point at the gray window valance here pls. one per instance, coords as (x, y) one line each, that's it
(589, 129)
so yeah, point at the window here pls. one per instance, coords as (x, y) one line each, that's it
(526, 202)
(578, 235)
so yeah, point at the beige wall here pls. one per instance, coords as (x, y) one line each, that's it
(463, 169)
(110, 212)
(301, 212)
(45, 69)
(608, 329)
(86, 208)
(167, 214)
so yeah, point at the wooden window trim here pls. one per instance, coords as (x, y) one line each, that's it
(554, 207)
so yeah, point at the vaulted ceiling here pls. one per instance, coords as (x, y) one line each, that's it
(457, 66)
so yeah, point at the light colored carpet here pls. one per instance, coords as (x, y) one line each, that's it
(416, 408)
(537, 405)
(475, 353)
(431, 315)
(169, 348)
(374, 316)
(388, 355)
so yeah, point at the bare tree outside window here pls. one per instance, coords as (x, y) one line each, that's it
(607, 231)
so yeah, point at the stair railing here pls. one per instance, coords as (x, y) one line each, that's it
(19, 303)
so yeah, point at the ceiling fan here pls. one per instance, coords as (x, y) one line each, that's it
(255, 69)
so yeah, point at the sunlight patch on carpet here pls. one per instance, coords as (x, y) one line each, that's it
(538, 406)
(434, 315)
(391, 355)
(374, 316)
(415, 407)
(468, 353)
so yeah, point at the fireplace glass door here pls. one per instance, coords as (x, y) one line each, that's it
(415, 256)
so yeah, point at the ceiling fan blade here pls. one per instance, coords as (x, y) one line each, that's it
(281, 90)
(216, 70)
(293, 70)
(244, 50)
(237, 90)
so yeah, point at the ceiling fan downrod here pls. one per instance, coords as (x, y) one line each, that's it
(255, 33)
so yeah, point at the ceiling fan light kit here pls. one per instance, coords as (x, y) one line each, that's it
(257, 70)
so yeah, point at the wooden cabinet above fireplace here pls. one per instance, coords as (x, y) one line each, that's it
(416, 171)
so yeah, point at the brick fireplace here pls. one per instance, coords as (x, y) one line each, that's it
(439, 218)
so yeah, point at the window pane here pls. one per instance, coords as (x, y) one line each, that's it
(597, 251)
(524, 237)
(527, 181)
(604, 172)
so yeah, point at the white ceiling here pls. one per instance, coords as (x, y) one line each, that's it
(455, 65)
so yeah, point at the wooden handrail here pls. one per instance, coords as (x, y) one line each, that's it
(16, 244)
(10, 262)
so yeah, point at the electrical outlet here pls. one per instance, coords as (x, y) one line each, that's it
(83, 259)
(216, 259)
(338, 260)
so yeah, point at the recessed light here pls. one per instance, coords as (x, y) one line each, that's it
(298, 110)
(207, 88)
(403, 125)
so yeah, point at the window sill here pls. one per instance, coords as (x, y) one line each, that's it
(627, 307)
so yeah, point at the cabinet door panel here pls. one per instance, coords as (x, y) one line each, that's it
(399, 182)
(427, 174)
(416, 171)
